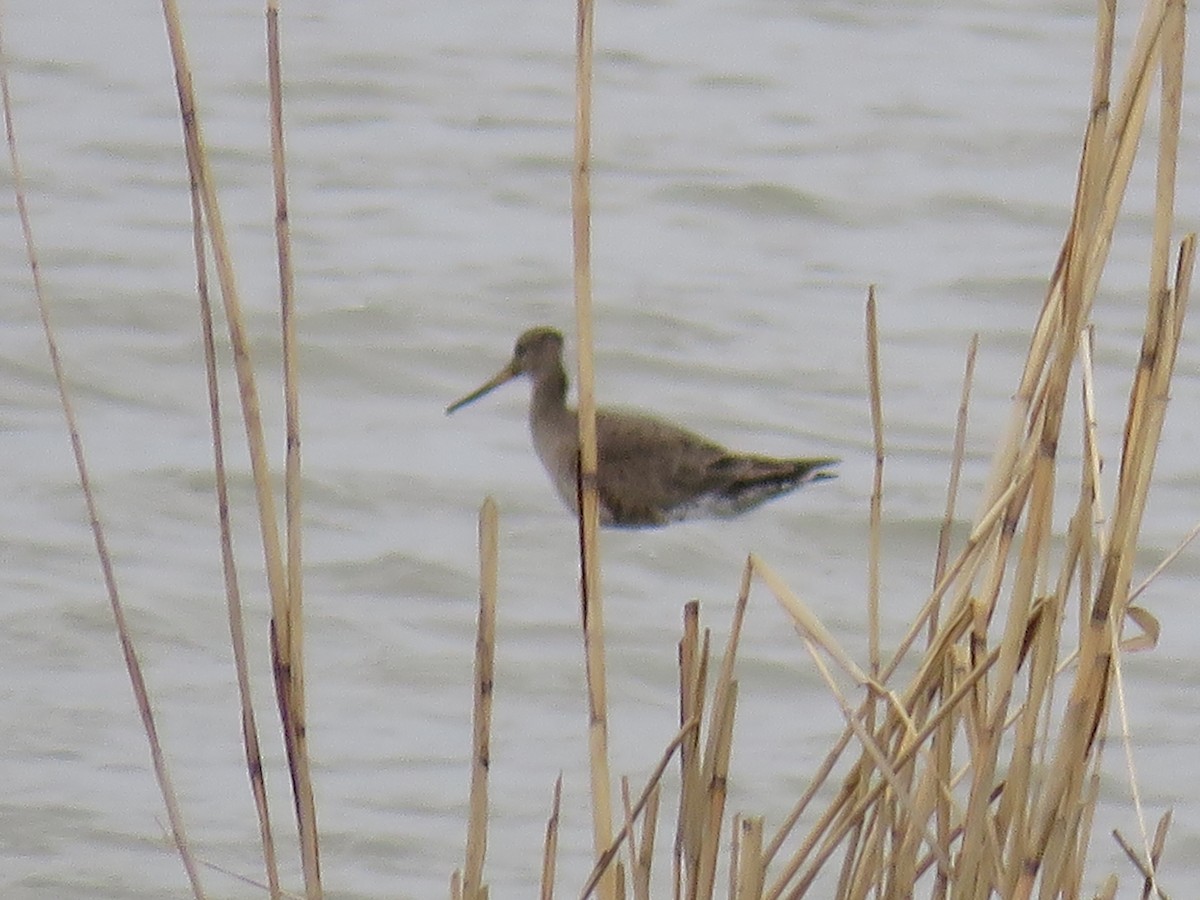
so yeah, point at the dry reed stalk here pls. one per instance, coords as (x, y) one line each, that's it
(819, 777)
(473, 887)
(629, 835)
(296, 716)
(956, 460)
(806, 621)
(706, 804)
(233, 593)
(875, 390)
(128, 650)
(550, 846)
(287, 671)
(874, 531)
(285, 634)
(703, 780)
(247, 386)
(896, 775)
(1090, 697)
(645, 851)
(735, 851)
(1156, 849)
(1148, 884)
(946, 638)
(1164, 563)
(259, 886)
(693, 678)
(964, 568)
(641, 849)
(1031, 778)
(750, 869)
(1108, 890)
(716, 770)
(1091, 516)
(1092, 690)
(588, 500)
(943, 740)
(842, 816)
(648, 795)
(1130, 766)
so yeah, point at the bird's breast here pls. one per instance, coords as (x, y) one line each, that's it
(557, 446)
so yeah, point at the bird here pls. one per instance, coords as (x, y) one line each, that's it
(649, 472)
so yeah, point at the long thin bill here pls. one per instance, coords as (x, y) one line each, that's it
(505, 374)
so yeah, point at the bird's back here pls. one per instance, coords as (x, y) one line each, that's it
(649, 469)
(651, 472)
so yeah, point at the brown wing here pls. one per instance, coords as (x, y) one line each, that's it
(648, 467)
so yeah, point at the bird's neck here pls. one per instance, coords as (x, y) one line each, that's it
(549, 394)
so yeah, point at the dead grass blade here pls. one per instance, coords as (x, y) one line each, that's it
(641, 852)
(128, 650)
(473, 887)
(550, 847)
(284, 620)
(874, 382)
(297, 708)
(750, 870)
(589, 510)
(807, 623)
(693, 678)
(648, 795)
(956, 460)
(233, 593)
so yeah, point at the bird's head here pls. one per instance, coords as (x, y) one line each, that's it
(536, 350)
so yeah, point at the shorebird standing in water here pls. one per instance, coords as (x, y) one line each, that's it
(649, 472)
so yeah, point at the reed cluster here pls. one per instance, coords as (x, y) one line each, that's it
(978, 774)
(282, 556)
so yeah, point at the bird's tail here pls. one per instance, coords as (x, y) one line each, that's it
(755, 479)
(815, 469)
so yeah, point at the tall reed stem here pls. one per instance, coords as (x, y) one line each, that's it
(294, 710)
(589, 517)
(132, 664)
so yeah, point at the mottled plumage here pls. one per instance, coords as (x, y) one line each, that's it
(649, 472)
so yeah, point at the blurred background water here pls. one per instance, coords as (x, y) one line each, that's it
(757, 165)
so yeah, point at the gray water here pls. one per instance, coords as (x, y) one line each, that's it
(757, 165)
